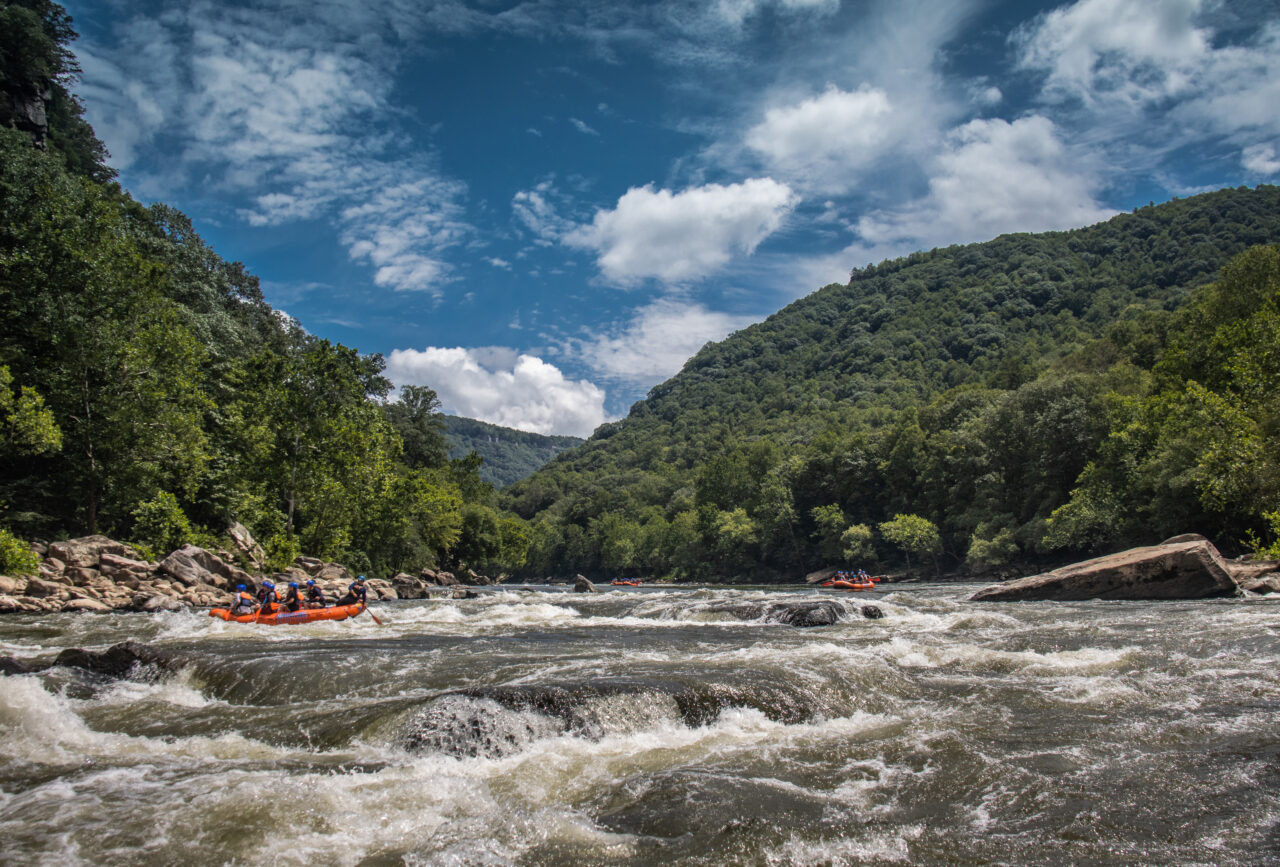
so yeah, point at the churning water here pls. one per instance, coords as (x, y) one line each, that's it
(650, 727)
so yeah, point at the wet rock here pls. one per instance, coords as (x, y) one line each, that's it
(12, 586)
(824, 612)
(462, 593)
(152, 602)
(86, 550)
(446, 579)
(872, 612)
(52, 568)
(1183, 570)
(11, 666)
(408, 586)
(11, 605)
(1263, 585)
(381, 588)
(116, 661)
(475, 580)
(582, 585)
(86, 605)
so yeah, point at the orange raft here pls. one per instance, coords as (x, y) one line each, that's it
(624, 582)
(850, 585)
(285, 618)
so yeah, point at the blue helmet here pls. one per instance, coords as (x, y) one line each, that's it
(359, 577)
(269, 584)
(310, 581)
(241, 587)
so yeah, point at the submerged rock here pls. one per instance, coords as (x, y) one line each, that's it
(872, 612)
(1181, 570)
(821, 612)
(119, 660)
(582, 585)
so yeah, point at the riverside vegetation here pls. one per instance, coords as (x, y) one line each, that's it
(990, 406)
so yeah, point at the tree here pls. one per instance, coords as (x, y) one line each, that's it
(856, 543)
(913, 534)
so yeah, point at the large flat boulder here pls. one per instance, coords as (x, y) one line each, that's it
(1182, 570)
(86, 550)
(192, 565)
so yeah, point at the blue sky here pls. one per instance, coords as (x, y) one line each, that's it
(541, 209)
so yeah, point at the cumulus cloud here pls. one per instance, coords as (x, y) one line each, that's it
(657, 341)
(1137, 50)
(503, 387)
(994, 177)
(1261, 159)
(828, 135)
(251, 102)
(683, 236)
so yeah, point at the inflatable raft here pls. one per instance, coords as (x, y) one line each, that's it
(284, 618)
(850, 585)
(623, 582)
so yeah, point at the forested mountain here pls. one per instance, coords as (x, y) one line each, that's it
(509, 454)
(947, 403)
(148, 391)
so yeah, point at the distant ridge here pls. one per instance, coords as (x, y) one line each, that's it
(509, 454)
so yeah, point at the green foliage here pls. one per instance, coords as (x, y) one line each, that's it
(855, 543)
(1261, 550)
(16, 556)
(971, 386)
(509, 455)
(161, 525)
(913, 534)
(281, 551)
(27, 426)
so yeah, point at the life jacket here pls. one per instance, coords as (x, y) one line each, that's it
(244, 601)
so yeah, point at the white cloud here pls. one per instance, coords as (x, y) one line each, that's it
(535, 210)
(1261, 160)
(683, 236)
(1136, 50)
(737, 11)
(582, 127)
(993, 177)
(825, 137)
(657, 342)
(250, 102)
(503, 387)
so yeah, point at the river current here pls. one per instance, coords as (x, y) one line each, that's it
(645, 727)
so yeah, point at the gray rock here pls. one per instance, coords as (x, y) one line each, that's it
(110, 564)
(821, 575)
(86, 550)
(872, 612)
(192, 565)
(1184, 570)
(1263, 585)
(334, 573)
(582, 585)
(39, 588)
(86, 605)
(12, 586)
(446, 579)
(824, 612)
(246, 545)
(408, 586)
(118, 660)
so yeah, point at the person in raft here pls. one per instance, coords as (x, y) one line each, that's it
(267, 598)
(245, 603)
(356, 593)
(292, 597)
(315, 596)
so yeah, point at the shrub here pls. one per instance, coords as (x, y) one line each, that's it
(16, 556)
(161, 525)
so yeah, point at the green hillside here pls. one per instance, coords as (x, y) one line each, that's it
(968, 386)
(509, 454)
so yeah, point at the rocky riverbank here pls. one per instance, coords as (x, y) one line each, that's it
(95, 573)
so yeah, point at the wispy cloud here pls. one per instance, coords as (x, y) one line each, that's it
(657, 341)
(582, 127)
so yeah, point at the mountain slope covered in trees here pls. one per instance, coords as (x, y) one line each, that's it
(509, 454)
(148, 391)
(964, 390)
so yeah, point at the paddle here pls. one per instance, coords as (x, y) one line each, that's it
(371, 614)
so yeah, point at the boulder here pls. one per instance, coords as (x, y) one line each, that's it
(475, 580)
(1263, 585)
(86, 550)
(246, 544)
(872, 612)
(463, 593)
(582, 585)
(10, 605)
(821, 575)
(86, 605)
(310, 565)
(116, 661)
(52, 568)
(80, 576)
(110, 564)
(12, 586)
(39, 588)
(1185, 537)
(408, 586)
(381, 588)
(334, 573)
(823, 612)
(1182, 570)
(446, 579)
(192, 565)
(151, 602)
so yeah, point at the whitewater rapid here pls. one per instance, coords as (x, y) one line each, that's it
(643, 727)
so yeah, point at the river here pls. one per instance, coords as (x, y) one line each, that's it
(638, 727)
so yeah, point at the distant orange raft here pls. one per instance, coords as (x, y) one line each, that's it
(286, 618)
(850, 585)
